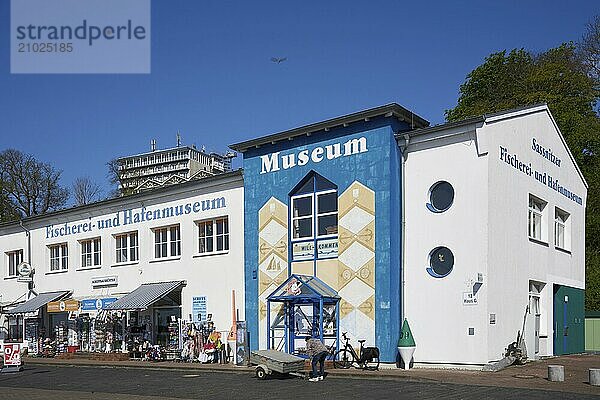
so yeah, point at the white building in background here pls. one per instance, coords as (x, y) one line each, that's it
(184, 243)
(169, 166)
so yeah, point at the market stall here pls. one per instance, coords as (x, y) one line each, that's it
(30, 322)
(151, 316)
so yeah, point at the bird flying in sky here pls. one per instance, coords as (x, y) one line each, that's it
(278, 60)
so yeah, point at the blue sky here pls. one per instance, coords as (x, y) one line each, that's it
(212, 78)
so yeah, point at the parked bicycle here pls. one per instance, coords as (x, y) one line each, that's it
(346, 357)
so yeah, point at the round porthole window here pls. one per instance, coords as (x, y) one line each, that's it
(441, 196)
(441, 262)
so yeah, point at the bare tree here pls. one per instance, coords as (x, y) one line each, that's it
(589, 48)
(113, 178)
(7, 210)
(85, 191)
(32, 187)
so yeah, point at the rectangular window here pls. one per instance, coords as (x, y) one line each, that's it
(14, 259)
(167, 242)
(561, 231)
(302, 216)
(127, 247)
(213, 235)
(327, 213)
(536, 213)
(91, 253)
(59, 257)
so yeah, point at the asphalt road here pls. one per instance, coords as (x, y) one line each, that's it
(102, 383)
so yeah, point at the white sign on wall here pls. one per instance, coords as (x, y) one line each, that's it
(469, 299)
(303, 251)
(103, 281)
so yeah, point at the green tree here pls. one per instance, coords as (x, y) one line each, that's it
(29, 186)
(562, 78)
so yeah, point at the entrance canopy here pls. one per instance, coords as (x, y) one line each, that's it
(145, 296)
(304, 288)
(296, 293)
(34, 304)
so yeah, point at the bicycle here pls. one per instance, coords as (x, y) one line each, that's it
(346, 357)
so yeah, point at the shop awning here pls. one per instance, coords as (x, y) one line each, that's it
(145, 295)
(32, 305)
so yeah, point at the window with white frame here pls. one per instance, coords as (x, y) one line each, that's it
(536, 218)
(561, 231)
(314, 218)
(91, 253)
(327, 213)
(213, 235)
(14, 258)
(302, 216)
(127, 247)
(167, 242)
(59, 257)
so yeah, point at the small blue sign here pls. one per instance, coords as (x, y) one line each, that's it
(198, 308)
(96, 304)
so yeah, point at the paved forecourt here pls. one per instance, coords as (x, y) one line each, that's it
(50, 382)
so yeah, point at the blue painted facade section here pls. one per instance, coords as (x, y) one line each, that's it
(378, 169)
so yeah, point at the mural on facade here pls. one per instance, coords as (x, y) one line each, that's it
(356, 262)
(272, 259)
(351, 274)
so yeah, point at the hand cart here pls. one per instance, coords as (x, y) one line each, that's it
(269, 362)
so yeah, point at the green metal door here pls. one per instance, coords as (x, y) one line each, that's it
(569, 329)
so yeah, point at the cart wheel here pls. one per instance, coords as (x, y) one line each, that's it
(261, 373)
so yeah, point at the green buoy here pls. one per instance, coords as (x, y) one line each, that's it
(406, 344)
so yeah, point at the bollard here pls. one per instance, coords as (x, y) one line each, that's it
(556, 373)
(594, 376)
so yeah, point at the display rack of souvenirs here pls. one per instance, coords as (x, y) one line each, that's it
(202, 344)
(173, 343)
(72, 335)
(32, 336)
(60, 334)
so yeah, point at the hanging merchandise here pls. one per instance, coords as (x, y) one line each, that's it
(60, 334)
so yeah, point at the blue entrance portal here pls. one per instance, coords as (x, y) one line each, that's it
(309, 308)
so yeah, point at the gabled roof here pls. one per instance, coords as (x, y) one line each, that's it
(388, 110)
(307, 287)
(491, 118)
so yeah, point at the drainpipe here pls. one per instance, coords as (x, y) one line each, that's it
(404, 150)
(28, 234)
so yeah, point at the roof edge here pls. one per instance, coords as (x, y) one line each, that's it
(238, 173)
(391, 109)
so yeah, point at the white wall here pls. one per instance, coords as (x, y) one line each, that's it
(434, 306)
(514, 260)
(486, 229)
(213, 276)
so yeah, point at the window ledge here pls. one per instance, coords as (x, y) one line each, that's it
(214, 253)
(62, 271)
(10, 277)
(562, 250)
(89, 268)
(155, 260)
(538, 242)
(124, 264)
